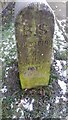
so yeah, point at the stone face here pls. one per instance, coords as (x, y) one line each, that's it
(34, 28)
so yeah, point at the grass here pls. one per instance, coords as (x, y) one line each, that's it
(15, 95)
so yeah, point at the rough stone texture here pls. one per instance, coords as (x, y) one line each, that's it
(34, 28)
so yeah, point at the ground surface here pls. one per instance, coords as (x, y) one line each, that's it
(42, 102)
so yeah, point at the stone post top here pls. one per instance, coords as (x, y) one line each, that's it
(20, 5)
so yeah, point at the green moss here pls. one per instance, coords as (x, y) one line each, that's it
(34, 38)
(26, 83)
(38, 76)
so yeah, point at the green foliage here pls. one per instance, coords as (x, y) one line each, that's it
(42, 97)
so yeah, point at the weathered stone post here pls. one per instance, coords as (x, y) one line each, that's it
(34, 29)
